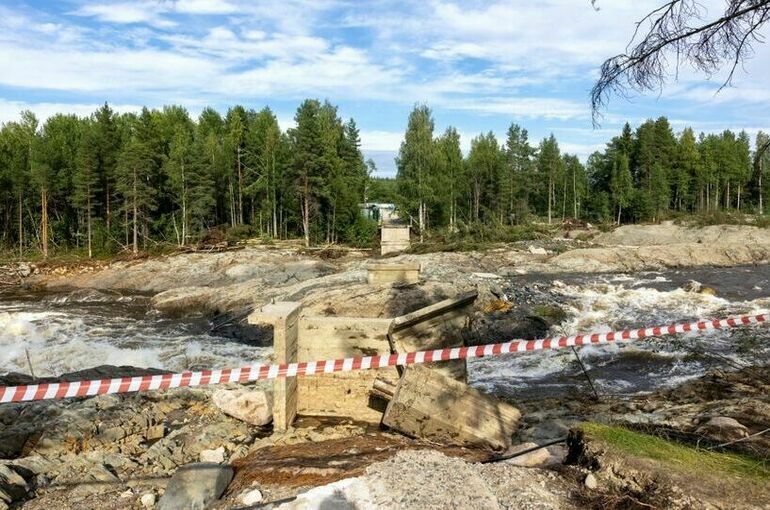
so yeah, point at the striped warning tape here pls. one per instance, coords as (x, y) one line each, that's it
(61, 390)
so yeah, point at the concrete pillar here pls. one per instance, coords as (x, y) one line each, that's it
(284, 317)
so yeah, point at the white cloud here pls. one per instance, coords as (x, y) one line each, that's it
(523, 107)
(204, 6)
(381, 140)
(498, 59)
(10, 110)
(127, 12)
(140, 71)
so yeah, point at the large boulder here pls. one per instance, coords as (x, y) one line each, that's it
(723, 428)
(246, 404)
(195, 486)
(534, 458)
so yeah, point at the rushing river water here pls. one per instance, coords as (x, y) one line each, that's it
(81, 329)
(606, 302)
(85, 328)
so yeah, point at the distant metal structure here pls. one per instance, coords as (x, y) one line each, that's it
(381, 212)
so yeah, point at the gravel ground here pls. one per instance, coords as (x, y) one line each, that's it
(427, 479)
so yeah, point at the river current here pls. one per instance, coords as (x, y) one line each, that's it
(81, 329)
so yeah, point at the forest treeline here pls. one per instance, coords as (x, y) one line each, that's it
(642, 175)
(111, 182)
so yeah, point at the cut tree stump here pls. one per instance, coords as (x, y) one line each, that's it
(426, 404)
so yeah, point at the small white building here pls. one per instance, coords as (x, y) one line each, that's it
(381, 212)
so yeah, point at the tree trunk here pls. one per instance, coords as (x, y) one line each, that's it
(184, 209)
(109, 213)
(136, 216)
(21, 224)
(574, 195)
(44, 221)
(306, 212)
(761, 210)
(550, 197)
(88, 221)
(276, 233)
(240, 188)
(564, 199)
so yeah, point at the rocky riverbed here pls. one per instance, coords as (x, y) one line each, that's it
(122, 451)
(126, 451)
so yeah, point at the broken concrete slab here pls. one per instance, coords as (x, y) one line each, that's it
(429, 405)
(306, 339)
(284, 317)
(435, 327)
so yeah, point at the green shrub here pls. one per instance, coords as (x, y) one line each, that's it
(361, 233)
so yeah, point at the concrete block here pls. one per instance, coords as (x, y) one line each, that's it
(394, 239)
(393, 273)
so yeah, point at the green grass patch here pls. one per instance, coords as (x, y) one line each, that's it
(677, 456)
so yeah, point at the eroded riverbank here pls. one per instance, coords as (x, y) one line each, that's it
(109, 452)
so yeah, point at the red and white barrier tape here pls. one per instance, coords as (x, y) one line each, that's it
(60, 390)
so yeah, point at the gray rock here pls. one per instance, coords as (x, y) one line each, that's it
(723, 428)
(147, 500)
(531, 459)
(195, 486)
(250, 497)
(250, 405)
(216, 456)
(13, 487)
(591, 482)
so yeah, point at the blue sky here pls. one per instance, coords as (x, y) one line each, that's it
(478, 65)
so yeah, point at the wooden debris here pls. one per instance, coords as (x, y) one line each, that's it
(428, 405)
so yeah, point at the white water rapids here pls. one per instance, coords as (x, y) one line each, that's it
(83, 329)
(600, 303)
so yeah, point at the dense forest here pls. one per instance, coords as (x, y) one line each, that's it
(643, 175)
(113, 182)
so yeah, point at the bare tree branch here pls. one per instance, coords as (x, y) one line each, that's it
(678, 28)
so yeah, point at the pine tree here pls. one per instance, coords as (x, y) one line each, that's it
(86, 179)
(134, 170)
(485, 164)
(687, 170)
(307, 169)
(516, 182)
(108, 142)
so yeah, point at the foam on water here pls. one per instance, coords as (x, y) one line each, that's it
(601, 303)
(68, 333)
